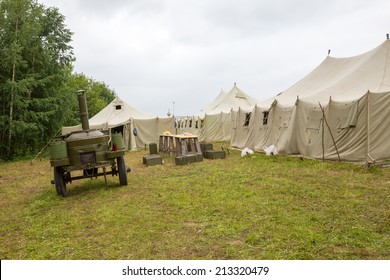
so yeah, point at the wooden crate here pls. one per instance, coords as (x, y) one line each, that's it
(152, 160)
(210, 154)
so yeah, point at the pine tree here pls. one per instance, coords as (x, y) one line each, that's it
(35, 59)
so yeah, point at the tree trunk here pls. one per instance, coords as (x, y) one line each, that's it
(3, 113)
(11, 103)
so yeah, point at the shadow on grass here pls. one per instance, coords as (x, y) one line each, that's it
(90, 186)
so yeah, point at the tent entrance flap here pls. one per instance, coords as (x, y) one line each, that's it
(118, 129)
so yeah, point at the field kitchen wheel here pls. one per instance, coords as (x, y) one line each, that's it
(59, 181)
(122, 171)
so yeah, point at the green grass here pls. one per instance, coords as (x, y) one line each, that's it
(255, 207)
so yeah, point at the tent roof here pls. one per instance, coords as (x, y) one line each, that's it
(116, 113)
(342, 79)
(227, 101)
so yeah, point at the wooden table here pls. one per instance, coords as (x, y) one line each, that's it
(187, 145)
(182, 145)
(167, 144)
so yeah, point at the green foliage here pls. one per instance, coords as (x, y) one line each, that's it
(98, 94)
(35, 54)
(36, 81)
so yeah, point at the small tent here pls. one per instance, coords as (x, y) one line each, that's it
(138, 128)
(338, 111)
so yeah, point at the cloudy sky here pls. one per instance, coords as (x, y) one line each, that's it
(160, 54)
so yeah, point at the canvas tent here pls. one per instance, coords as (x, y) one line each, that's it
(138, 128)
(229, 101)
(214, 123)
(354, 124)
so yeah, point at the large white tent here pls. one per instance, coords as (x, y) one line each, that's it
(138, 128)
(229, 101)
(339, 110)
(214, 123)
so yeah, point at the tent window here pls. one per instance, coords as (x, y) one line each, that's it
(265, 117)
(190, 123)
(201, 123)
(240, 95)
(118, 107)
(247, 119)
(196, 124)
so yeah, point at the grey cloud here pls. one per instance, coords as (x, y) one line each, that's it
(186, 51)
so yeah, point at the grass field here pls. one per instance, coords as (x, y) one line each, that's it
(256, 207)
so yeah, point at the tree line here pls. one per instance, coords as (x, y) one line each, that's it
(37, 82)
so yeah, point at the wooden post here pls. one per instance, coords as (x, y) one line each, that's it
(323, 131)
(326, 122)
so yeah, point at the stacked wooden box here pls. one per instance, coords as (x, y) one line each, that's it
(153, 158)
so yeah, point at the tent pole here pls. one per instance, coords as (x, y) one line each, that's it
(223, 129)
(44, 148)
(323, 131)
(326, 122)
(369, 159)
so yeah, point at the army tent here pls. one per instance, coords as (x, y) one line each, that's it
(338, 111)
(214, 123)
(138, 128)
